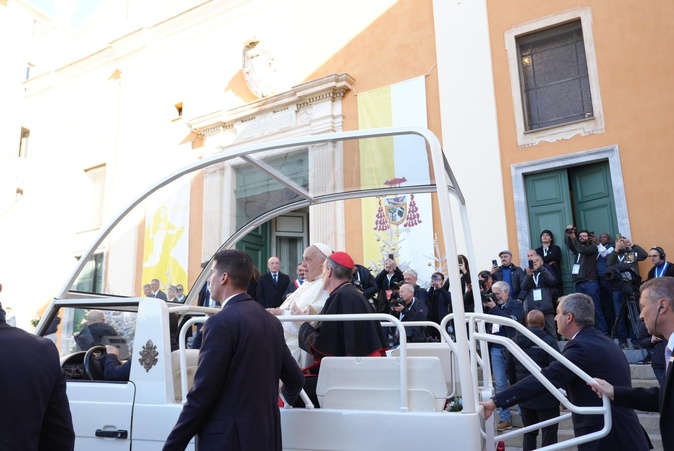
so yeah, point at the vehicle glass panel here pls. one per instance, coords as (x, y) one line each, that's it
(169, 233)
(72, 333)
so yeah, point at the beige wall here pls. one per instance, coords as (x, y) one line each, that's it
(633, 44)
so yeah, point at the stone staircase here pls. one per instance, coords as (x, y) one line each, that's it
(642, 376)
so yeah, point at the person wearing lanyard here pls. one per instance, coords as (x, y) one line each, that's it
(584, 270)
(537, 289)
(410, 309)
(661, 267)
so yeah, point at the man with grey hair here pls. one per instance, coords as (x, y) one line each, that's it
(505, 306)
(410, 276)
(410, 308)
(657, 313)
(308, 299)
(597, 355)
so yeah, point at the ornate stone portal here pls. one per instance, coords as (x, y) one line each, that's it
(311, 108)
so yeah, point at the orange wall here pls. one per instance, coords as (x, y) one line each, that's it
(398, 46)
(633, 43)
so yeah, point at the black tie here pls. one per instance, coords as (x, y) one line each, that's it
(275, 280)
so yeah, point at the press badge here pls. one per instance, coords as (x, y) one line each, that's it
(495, 328)
(538, 296)
(576, 269)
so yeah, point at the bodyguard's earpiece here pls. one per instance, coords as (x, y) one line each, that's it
(661, 307)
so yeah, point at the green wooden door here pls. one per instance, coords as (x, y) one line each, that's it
(550, 209)
(593, 204)
(256, 244)
(580, 195)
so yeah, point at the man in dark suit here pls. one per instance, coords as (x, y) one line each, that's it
(156, 291)
(272, 286)
(595, 353)
(34, 410)
(234, 401)
(657, 312)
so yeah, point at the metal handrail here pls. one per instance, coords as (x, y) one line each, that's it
(535, 370)
(303, 318)
(445, 339)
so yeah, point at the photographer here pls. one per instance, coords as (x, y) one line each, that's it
(623, 276)
(501, 304)
(537, 291)
(408, 308)
(364, 280)
(508, 272)
(387, 277)
(440, 302)
(584, 270)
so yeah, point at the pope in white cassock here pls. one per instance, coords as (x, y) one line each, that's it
(308, 299)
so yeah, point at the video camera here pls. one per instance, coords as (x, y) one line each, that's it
(623, 277)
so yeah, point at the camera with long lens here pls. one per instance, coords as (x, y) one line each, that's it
(623, 277)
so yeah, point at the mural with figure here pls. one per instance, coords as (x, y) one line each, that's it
(165, 247)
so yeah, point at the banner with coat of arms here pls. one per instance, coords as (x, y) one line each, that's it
(401, 224)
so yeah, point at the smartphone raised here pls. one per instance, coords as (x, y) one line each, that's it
(531, 264)
(494, 263)
(390, 256)
(618, 236)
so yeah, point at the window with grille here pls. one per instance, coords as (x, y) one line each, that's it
(553, 77)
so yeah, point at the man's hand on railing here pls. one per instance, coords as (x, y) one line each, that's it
(489, 408)
(601, 387)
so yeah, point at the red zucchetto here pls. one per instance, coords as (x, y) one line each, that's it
(343, 259)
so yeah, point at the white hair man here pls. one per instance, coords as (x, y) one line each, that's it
(308, 299)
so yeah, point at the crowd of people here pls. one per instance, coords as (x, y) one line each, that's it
(592, 319)
(252, 351)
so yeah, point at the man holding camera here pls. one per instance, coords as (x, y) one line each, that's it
(584, 270)
(500, 303)
(408, 308)
(439, 303)
(623, 275)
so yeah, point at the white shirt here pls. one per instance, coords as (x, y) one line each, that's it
(604, 251)
(226, 300)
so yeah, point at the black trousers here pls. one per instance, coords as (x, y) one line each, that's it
(531, 416)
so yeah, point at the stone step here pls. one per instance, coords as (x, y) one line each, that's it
(642, 372)
(649, 421)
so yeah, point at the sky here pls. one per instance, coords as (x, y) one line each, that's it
(75, 12)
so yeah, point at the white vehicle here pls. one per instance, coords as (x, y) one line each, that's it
(366, 402)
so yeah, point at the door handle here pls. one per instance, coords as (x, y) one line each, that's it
(112, 434)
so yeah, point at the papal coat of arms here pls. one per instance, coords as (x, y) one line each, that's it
(258, 69)
(148, 355)
(396, 210)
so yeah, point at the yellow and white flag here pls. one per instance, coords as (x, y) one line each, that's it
(404, 221)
